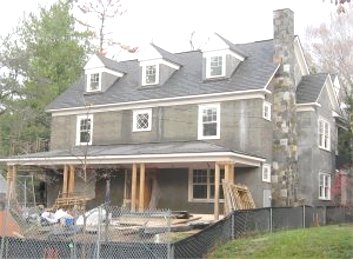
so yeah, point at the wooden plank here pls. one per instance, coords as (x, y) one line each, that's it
(133, 187)
(71, 187)
(65, 180)
(216, 191)
(142, 187)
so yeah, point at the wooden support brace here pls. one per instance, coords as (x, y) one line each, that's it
(142, 187)
(133, 187)
(216, 191)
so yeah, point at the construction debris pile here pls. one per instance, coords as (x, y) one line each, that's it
(114, 223)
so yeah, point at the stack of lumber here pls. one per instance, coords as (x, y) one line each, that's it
(236, 197)
(70, 200)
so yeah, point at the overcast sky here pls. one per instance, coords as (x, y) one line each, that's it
(169, 23)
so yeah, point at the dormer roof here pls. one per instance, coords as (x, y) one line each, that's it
(218, 43)
(99, 62)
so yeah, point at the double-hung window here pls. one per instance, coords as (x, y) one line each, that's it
(209, 121)
(266, 110)
(142, 120)
(202, 184)
(324, 134)
(266, 173)
(324, 186)
(150, 74)
(215, 66)
(84, 129)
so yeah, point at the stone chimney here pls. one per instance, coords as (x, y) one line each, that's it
(285, 155)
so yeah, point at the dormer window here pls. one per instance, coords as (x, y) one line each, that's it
(215, 66)
(94, 82)
(150, 74)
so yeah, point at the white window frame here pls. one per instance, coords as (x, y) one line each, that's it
(325, 134)
(200, 127)
(134, 120)
(191, 185)
(208, 65)
(325, 179)
(267, 105)
(144, 74)
(266, 173)
(78, 129)
(89, 75)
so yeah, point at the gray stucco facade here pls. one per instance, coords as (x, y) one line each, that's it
(265, 112)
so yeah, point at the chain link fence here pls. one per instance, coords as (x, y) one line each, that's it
(103, 232)
(116, 232)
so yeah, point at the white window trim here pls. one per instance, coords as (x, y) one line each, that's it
(208, 65)
(269, 106)
(328, 148)
(134, 120)
(329, 186)
(266, 167)
(78, 129)
(200, 122)
(190, 187)
(144, 83)
(88, 77)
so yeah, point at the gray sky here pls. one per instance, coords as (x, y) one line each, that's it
(169, 23)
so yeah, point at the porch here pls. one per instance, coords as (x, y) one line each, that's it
(184, 172)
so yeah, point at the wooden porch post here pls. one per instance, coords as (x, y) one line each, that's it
(142, 187)
(133, 187)
(71, 187)
(216, 191)
(13, 185)
(9, 177)
(227, 173)
(65, 182)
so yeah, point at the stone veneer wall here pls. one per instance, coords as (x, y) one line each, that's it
(285, 154)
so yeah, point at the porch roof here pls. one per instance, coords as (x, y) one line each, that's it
(171, 152)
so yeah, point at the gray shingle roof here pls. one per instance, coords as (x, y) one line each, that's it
(111, 64)
(253, 73)
(310, 87)
(132, 149)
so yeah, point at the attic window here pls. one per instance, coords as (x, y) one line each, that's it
(215, 66)
(150, 75)
(94, 82)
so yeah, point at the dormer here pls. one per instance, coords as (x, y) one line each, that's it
(220, 58)
(100, 74)
(157, 65)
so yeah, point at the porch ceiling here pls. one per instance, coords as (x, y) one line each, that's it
(158, 153)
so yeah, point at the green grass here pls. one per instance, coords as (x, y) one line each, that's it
(320, 242)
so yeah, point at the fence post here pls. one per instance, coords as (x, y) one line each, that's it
(304, 223)
(270, 219)
(99, 232)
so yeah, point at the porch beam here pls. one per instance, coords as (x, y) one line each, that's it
(142, 187)
(133, 187)
(216, 191)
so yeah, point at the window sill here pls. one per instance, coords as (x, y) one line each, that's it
(325, 149)
(324, 199)
(206, 138)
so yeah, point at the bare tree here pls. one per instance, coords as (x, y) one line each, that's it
(101, 12)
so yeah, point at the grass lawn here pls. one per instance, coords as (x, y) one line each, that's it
(320, 242)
